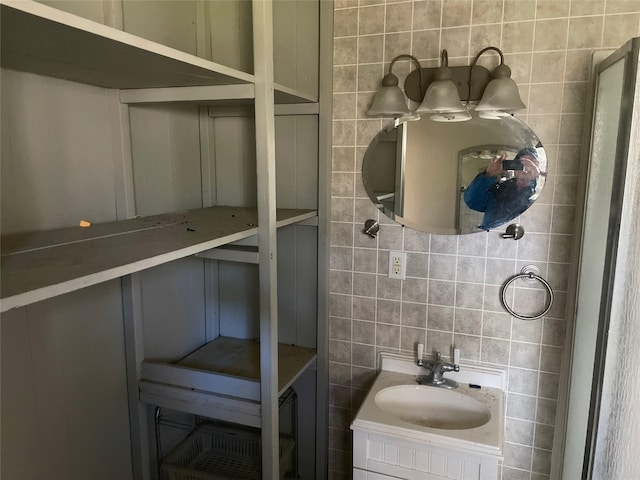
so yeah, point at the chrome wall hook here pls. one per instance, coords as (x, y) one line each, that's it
(515, 231)
(371, 228)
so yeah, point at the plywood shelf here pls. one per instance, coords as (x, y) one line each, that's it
(40, 265)
(225, 367)
(44, 40)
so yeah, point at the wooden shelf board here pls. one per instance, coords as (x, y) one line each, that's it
(41, 265)
(214, 95)
(47, 41)
(221, 407)
(284, 95)
(229, 366)
(241, 358)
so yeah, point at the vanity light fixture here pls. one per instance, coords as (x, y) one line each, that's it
(441, 91)
(501, 94)
(442, 94)
(389, 100)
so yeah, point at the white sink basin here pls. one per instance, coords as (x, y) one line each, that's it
(432, 407)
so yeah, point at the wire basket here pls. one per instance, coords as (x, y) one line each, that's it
(215, 452)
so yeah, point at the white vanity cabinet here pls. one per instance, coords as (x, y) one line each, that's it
(377, 456)
(194, 137)
(426, 432)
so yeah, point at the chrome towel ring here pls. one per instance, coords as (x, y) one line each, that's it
(531, 276)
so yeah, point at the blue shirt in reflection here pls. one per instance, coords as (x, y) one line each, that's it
(501, 200)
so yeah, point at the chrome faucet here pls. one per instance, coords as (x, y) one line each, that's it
(437, 368)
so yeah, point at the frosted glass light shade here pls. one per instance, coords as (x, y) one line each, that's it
(389, 100)
(501, 94)
(441, 97)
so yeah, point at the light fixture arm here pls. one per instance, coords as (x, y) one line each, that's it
(415, 61)
(500, 71)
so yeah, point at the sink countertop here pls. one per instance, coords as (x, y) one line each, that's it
(485, 439)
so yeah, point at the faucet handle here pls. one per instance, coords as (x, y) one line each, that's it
(438, 357)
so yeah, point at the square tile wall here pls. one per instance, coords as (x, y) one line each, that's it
(450, 295)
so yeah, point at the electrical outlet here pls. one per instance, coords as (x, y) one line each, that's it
(397, 265)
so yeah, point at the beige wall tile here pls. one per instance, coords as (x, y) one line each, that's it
(517, 10)
(585, 32)
(371, 20)
(343, 159)
(548, 67)
(578, 65)
(517, 37)
(587, 7)
(395, 44)
(370, 77)
(545, 98)
(456, 41)
(344, 106)
(622, 6)
(456, 13)
(426, 45)
(574, 99)
(551, 34)
(344, 79)
(345, 22)
(426, 14)
(483, 36)
(398, 17)
(620, 28)
(371, 49)
(552, 8)
(486, 11)
(345, 51)
(520, 64)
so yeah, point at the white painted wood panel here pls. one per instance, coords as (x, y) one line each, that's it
(173, 302)
(238, 306)
(229, 34)
(297, 161)
(168, 22)
(64, 391)
(296, 44)
(297, 278)
(89, 10)
(49, 178)
(307, 286)
(235, 160)
(166, 158)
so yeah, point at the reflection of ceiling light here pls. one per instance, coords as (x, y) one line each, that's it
(451, 117)
(439, 90)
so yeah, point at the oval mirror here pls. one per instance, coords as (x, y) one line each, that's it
(454, 177)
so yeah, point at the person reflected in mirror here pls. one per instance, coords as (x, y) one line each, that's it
(505, 189)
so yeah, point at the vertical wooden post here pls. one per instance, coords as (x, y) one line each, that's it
(266, 169)
(325, 89)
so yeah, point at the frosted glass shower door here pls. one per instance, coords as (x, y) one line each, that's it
(607, 295)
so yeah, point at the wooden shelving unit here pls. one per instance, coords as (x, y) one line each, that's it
(40, 265)
(235, 379)
(202, 382)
